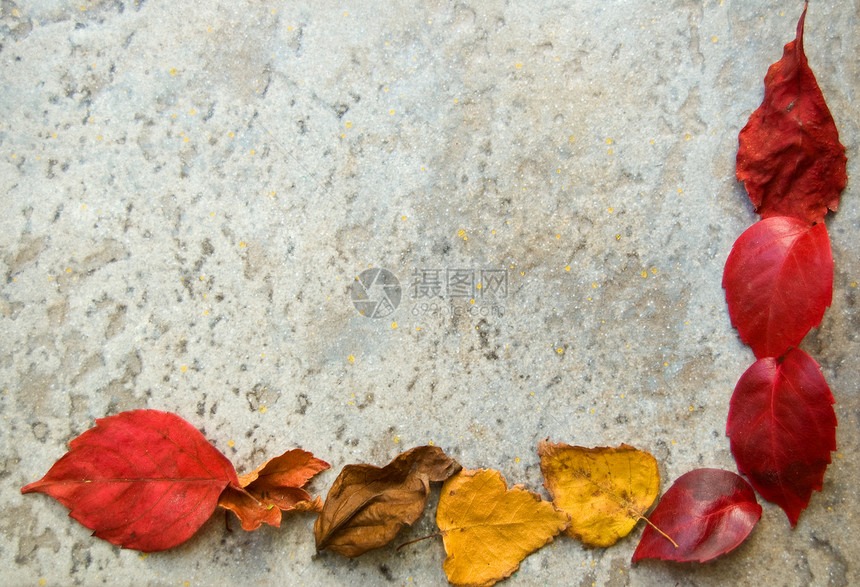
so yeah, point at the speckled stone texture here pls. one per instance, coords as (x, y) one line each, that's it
(190, 193)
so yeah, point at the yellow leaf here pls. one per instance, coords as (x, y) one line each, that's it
(605, 490)
(489, 529)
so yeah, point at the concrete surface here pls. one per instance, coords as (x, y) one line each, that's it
(191, 189)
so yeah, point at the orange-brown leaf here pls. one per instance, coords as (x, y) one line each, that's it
(275, 486)
(605, 490)
(489, 529)
(367, 505)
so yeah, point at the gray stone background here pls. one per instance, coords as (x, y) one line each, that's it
(190, 189)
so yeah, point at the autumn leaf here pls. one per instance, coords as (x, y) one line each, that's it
(707, 512)
(782, 428)
(275, 486)
(489, 529)
(779, 282)
(367, 505)
(790, 158)
(604, 490)
(142, 479)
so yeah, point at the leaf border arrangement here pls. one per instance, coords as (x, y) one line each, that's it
(148, 480)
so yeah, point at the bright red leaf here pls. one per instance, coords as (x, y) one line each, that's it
(779, 282)
(782, 428)
(142, 479)
(790, 158)
(707, 512)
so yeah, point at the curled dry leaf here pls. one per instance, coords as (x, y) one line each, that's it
(604, 490)
(779, 282)
(142, 479)
(790, 158)
(782, 428)
(367, 505)
(275, 486)
(489, 529)
(707, 512)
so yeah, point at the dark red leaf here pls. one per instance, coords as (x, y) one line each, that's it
(790, 158)
(782, 428)
(142, 479)
(779, 282)
(708, 512)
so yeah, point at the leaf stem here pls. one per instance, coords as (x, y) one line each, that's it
(418, 540)
(660, 532)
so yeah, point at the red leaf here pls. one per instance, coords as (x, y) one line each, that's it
(790, 158)
(782, 428)
(708, 512)
(779, 282)
(142, 479)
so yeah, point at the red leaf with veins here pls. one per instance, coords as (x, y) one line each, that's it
(779, 282)
(782, 428)
(707, 512)
(790, 158)
(142, 479)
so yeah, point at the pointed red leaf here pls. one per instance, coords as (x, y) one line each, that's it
(779, 282)
(142, 479)
(790, 158)
(707, 512)
(782, 428)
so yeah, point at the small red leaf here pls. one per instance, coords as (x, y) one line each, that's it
(790, 158)
(779, 282)
(782, 428)
(708, 512)
(142, 479)
(275, 486)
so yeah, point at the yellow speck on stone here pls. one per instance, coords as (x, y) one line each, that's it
(665, 364)
(183, 368)
(192, 112)
(391, 111)
(479, 285)
(558, 236)
(202, 277)
(567, 267)
(351, 359)
(611, 210)
(687, 137)
(687, 322)
(394, 325)
(560, 351)
(608, 141)
(231, 443)
(230, 134)
(532, 393)
(853, 284)
(654, 270)
(519, 65)
(522, 272)
(692, 409)
(472, 301)
(187, 583)
(263, 409)
(253, 151)
(571, 139)
(44, 581)
(242, 244)
(714, 39)
(592, 410)
(348, 124)
(68, 269)
(430, 443)
(673, 442)
(618, 237)
(594, 285)
(403, 218)
(680, 191)
(644, 274)
(396, 440)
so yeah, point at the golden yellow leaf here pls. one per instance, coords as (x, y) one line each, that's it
(605, 490)
(489, 529)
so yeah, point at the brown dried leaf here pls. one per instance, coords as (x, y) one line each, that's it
(367, 505)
